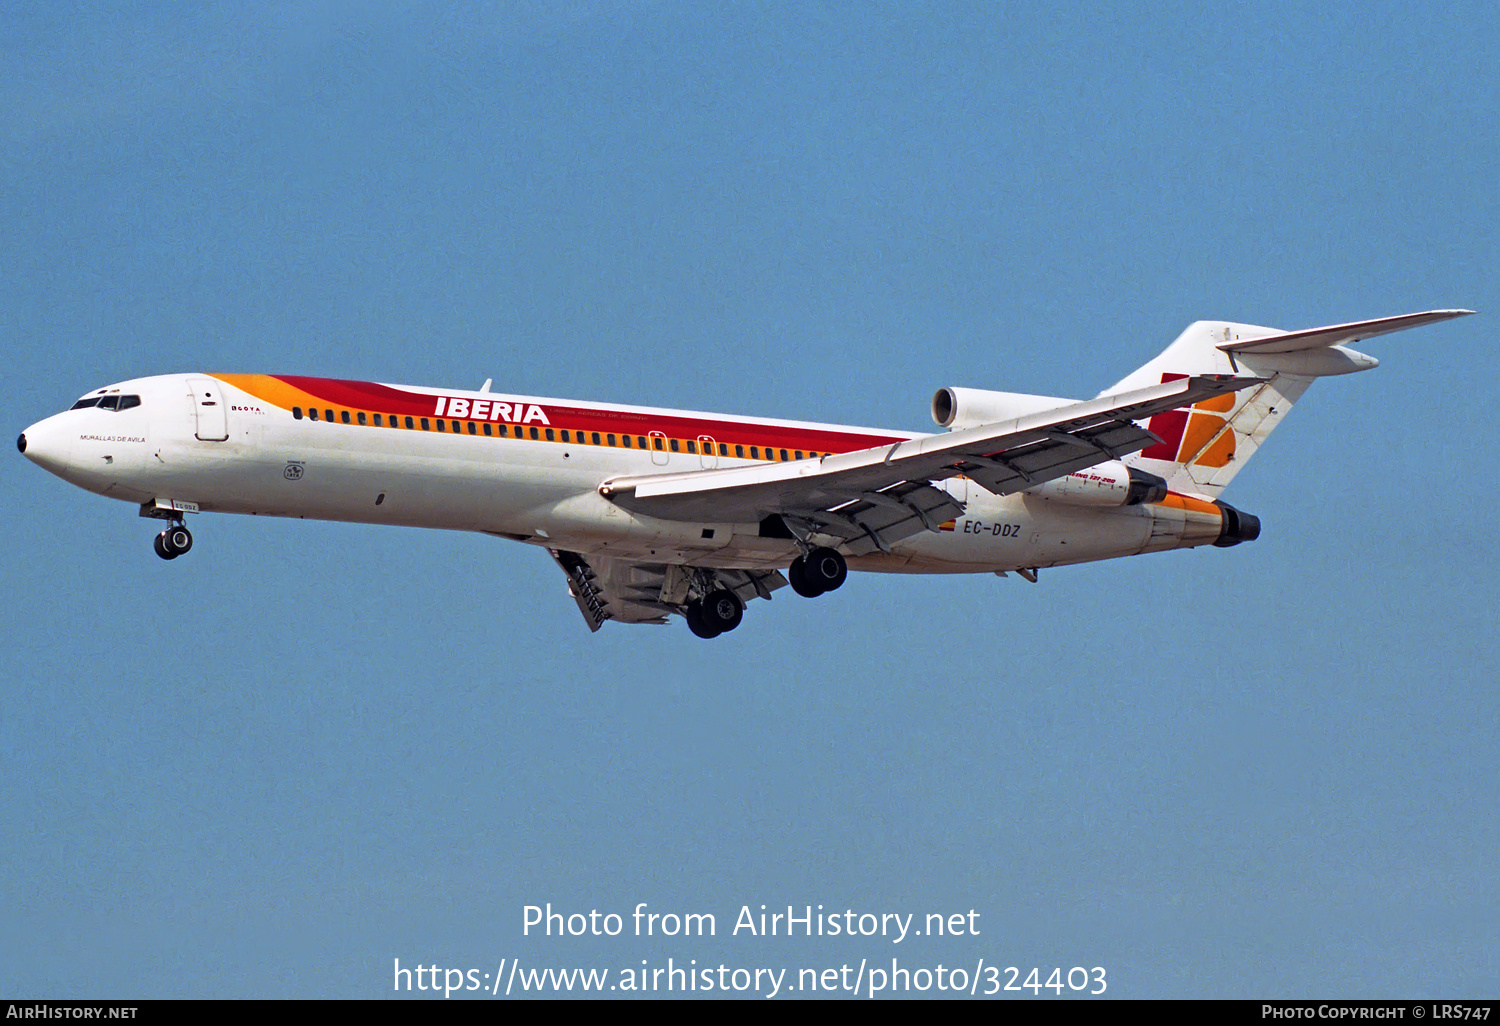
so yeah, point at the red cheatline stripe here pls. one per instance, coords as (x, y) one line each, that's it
(375, 397)
(362, 394)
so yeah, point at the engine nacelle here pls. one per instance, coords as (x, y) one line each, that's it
(1239, 526)
(956, 408)
(1106, 484)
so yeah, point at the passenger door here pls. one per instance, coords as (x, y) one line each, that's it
(208, 408)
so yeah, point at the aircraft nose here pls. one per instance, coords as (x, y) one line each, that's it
(45, 444)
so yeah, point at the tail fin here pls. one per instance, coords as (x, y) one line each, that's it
(1203, 447)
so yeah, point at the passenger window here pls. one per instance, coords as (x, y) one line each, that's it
(535, 435)
(783, 455)
(361, 417)
(487, 428)
(595, 436)
(565, 435)
(409, 424)
(626, 440)
(723, 449)
(344, 416)
(674, 446)
(377, 421)
(550, 438)
(799, 454)
(739, 452)
(693, 447)
(296, 412)
(610, 439)
(456, 428)
(328, 416)
(440, 425)
(755, 452)
(658, 443)
(472, 429)
(425, 426)
(641, 439)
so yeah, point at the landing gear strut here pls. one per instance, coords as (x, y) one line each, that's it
(819, 571)
(716, 613)
(173, 542)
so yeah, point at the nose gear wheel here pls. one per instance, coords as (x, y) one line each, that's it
(173, 542)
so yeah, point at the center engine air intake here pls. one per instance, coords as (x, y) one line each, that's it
(956, 408)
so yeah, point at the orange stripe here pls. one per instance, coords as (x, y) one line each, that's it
(1176, 500)
(269, 389)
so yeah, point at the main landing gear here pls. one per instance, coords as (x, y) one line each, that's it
(720, 610)
(715, 613)
(819, 571)
(175, 541)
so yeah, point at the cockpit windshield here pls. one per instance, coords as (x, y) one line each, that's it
(108, 402)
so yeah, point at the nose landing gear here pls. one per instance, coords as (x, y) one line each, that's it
(173, 542)
(176, 539)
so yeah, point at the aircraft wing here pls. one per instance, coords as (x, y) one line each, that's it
(873, 497)
(609, 588)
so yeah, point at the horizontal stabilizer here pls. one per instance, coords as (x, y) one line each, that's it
(1337, 334)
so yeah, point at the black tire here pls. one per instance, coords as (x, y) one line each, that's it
(825, 569)
(797, 575)
(161, 547)
(178, 539)
(696, 622)
(722, 610)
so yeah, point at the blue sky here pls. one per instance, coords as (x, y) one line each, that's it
(272, 767)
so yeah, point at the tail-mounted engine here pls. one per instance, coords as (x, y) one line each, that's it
(1239, 526)
(956, 408)
(1111, 483)
(1106, 484)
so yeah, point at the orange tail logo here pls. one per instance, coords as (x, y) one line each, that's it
(1199, 435)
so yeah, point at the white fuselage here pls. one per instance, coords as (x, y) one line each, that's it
(270, 462)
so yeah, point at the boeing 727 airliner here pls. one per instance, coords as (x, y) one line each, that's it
(653, 512)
